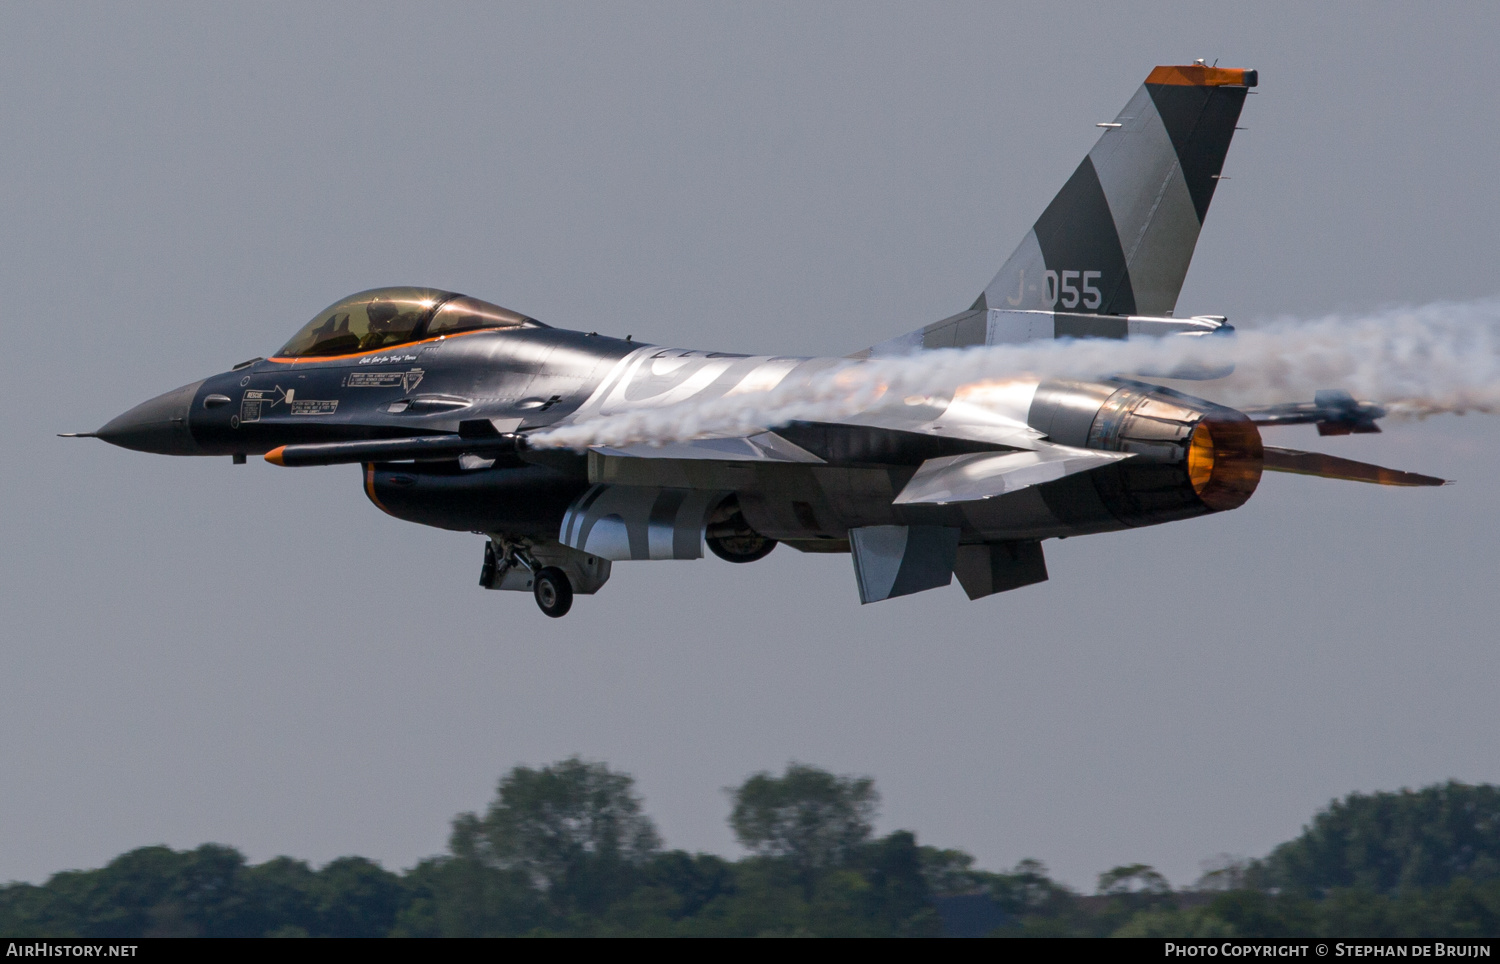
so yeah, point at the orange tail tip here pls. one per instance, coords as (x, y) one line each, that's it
(1197, 75)
(274, 456)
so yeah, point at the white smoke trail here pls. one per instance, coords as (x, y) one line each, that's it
(1442, 357)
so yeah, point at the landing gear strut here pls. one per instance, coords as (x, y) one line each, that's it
(551, 572)
(553, 592)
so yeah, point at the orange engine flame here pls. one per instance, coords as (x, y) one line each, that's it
(1224, 462)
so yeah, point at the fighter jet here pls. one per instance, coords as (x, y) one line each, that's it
(441, 398)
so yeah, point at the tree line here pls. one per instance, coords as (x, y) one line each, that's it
(567, 850)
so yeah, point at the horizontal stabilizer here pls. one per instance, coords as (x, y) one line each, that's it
(984, 475)
(1333, 467)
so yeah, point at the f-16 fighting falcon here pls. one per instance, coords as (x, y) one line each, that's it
(460, 412)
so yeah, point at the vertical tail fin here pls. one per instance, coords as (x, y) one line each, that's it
(1119, 236)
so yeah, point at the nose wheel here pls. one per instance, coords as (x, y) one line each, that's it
(553, 592)
(511, 565)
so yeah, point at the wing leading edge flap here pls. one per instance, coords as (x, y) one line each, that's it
(985, 475)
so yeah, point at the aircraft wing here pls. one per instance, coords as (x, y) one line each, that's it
(965, 416)
(967, 477)
(984, 475)
(772, 446)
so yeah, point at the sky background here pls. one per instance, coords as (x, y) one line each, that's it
(195, 651)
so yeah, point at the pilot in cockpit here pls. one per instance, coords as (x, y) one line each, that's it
(387, 325)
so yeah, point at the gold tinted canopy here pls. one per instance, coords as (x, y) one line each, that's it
(384, 317)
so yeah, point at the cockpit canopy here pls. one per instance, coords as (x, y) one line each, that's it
(384, 317)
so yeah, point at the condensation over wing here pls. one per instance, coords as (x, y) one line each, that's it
(985, 475)
(993, 411)
(655, 377)
(763, 447)
(679, 389)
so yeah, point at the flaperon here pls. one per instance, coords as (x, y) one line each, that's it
(444, 399)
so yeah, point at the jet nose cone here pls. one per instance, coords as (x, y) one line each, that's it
(159, 426)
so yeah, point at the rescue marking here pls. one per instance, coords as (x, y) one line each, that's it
(256, 402)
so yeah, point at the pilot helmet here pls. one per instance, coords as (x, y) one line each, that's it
(381, 313)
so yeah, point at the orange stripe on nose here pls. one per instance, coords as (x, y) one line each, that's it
(370, 489)
(399, 346)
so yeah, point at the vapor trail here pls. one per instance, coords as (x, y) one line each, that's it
(1437, 358)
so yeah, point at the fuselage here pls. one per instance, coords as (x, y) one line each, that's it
(528, 378)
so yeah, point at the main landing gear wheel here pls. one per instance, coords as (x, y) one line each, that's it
(553, 592)
(747, 547)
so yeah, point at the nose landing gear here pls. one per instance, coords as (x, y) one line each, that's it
(553, 574)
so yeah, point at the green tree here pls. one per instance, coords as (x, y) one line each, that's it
(1027, 891)
(27, 910)
(808, 817)
(279, 900)
(1223, 872)
(1133, 879)
(1385, 842)
(1250, 913)
(158, 892)
(575, 829)
(951, 872)
(457, 897)
(131, 895)
(897, 895)
(356, 897)
(1194, 922)
(690, 882)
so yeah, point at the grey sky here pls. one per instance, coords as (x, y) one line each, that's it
(197, 651)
